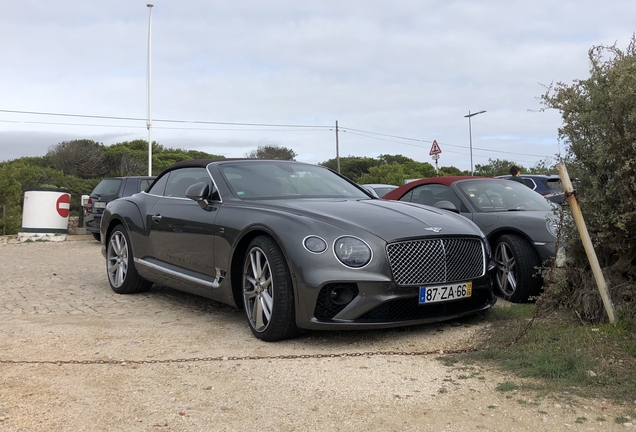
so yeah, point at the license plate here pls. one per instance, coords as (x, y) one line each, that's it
(100, 205)
(440, 293)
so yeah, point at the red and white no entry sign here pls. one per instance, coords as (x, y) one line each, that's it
(63, 205)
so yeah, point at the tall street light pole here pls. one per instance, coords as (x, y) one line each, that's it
(149, 89)
(337, 150)
(470, 137)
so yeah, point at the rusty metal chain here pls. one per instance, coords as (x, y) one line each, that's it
(538, 304)
(242, 358)
(306, 356)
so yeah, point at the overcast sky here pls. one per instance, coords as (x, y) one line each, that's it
(396, 75)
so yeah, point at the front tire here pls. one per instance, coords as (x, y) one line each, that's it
(268, 294)
(122, 274)
(516, 275)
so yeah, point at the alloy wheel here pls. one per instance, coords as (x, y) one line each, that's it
(506, 269)
(258, 289)
(117, 256)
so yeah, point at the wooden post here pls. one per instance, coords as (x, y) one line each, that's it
(587, 244)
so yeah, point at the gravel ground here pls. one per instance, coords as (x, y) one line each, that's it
(74, 356)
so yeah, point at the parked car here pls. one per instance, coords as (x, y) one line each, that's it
(297, 246)
(548, 185)
(106, 191)
(520, 224)
(379, 190)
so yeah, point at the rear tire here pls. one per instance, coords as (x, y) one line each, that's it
(97, 237)
(516, 274)
(120, 267)
(268, 293)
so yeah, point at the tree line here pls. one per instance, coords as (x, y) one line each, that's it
(79, 165)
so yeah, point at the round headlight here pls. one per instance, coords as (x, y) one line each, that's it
(352, 252)
(315, 244)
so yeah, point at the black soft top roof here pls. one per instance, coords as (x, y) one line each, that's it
(202, 163)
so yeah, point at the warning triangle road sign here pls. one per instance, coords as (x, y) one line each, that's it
(435, 149)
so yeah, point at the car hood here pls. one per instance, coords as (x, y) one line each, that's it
(389, 220)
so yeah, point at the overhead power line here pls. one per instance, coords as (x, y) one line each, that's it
(163, 128)
(294, 128)
(390, 136)
(164, 120)
(446, 151)
(344, 129)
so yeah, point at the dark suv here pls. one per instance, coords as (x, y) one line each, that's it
(548, 185)
(107, 190)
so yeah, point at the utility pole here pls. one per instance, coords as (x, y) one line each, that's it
(337, 149)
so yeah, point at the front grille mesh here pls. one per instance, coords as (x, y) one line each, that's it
(434, 261)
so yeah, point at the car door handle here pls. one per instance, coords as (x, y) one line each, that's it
(157, 218)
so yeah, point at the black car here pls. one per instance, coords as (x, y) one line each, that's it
(297, 246)
(107, 190)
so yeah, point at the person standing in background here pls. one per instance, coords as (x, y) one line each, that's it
(516, 174)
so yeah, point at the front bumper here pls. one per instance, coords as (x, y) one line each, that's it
(384, 305)
(545, 252)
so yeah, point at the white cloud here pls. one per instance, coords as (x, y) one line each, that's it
(406, 68)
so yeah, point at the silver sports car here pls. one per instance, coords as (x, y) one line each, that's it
(297, 246)
(520, 224)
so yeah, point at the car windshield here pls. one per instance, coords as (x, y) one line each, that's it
(502, 195)
(271, 179)
(554, 184)
(107, 187)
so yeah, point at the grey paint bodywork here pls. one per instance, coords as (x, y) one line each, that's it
(530, 224)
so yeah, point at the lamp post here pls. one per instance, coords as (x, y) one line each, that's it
(470, 137)
(149, 78)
